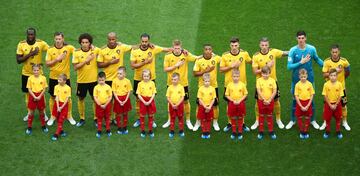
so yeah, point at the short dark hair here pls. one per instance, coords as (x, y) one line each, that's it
(59, 33)
(265, 69)
(101, 74)
(264, 39)
(123, 68)
(301, 32)
(207, 44)
(145, 35)
(234, 40)
(30, 29)
(335, 46)
(333, 70)
(85, 36)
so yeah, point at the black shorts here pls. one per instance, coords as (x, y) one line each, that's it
(24, 80)
(187, 93)
(83, 88)
(216, 102)
(135, 85)
(53, 83)
(277, 95)
(344, 99)
(109, 83)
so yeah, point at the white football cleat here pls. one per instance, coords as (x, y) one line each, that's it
(323, 126)
(346, 125)
(167, 124)
(216, 125)
(255, 125)
(315, 125)
(71, 120)
(280, 124)
(26, 118)
(290, 125)
(197, 125)
(50, 122)
(189, 125)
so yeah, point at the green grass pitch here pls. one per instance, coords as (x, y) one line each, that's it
(195, 23)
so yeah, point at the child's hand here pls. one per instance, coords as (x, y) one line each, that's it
(121, 103)
(174, 106)
(207, 110)
(103, 106)
(147, 103)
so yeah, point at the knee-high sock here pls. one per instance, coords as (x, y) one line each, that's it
(216, 112)
(187, 109)
(181, 123)
(81, 108)
(240, 124)
(27, 101)
(137, 107)
(151, 121)
(233, 125)
(125, 119)
(344, 113)
(51, 105)
(142, 123)
(118, 120)
(42, 118)
(69, 115)
(337, 123)
(256, 111)
(307, 124)
(270, 123)
(277, 109)
(300, 124)
(261, 123)
(30, 119)
(94, 110)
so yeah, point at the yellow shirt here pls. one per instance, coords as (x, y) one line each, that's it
(236, 91)
(121, 87)
(227, 59)
(64, 65)
(304, 90)
(206, 94)
(201, 65)
(139, 55)
(102, 93)
(62, 92)
(106, 54)
(175, 93)
(260, 60)
(87, 73)
(333, 91)
(146, 89)
(171, 59)
(24, 48)
(267, 87)
(36, 84)
(341, 63)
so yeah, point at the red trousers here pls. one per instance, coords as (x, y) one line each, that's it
(329, 113)
(60, 116)
(205, 118)
(179, 113)
(101, 114)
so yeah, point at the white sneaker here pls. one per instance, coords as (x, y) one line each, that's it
(46, 117)
(50, 122)
(255, 125)
(280, 124)
(189, 125)
(197, 125)
(26, 118)
(290, 125)
(323, 126)
(315, 125)
(216, 125)
(71, 120)
(167, 124)
(346, 125)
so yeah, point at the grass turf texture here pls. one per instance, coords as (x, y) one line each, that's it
(81, 153)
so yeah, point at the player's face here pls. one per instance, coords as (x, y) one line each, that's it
(59, 40)
(206, 82)
(235, 77)
(264, 46)
(333, 77)
(144, 42)
(61, 81)
(36, 71)
(335, 53)
(101, 81)
(301, 39)
(234, 46)
(207, 50)
(112, 41)
(265, 75)
(177, 49)
(85, 44)
(303, 77)
(146, 76)
(121, 74)
(175, 80)
(30, 35)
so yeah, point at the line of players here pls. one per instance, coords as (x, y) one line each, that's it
(87, 59)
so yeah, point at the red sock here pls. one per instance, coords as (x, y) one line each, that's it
(125, 119)
(270, 123)
(151, 121)
(172, 123)
(307, 124)
(203, 125)
(60, 125)
(208, 126)
(233, 125)
(107, 122)
(30, 119)
(181, 123)
(328, 125)
(337, 123)
(142, 123)
(240, 124)
(261, 123)
(300, 124)
(99, 123)
(118, 120)
(42, 118)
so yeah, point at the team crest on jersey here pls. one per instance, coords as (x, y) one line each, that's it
(172, 60)
(182, 59)
(241, 59)
(124, 86)
(213, 62)
(210, 93)
(118, 51)
(271, 57)
(41, 82)
(150, 54)
(179, 92)
(340, 66)
(337, 90)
